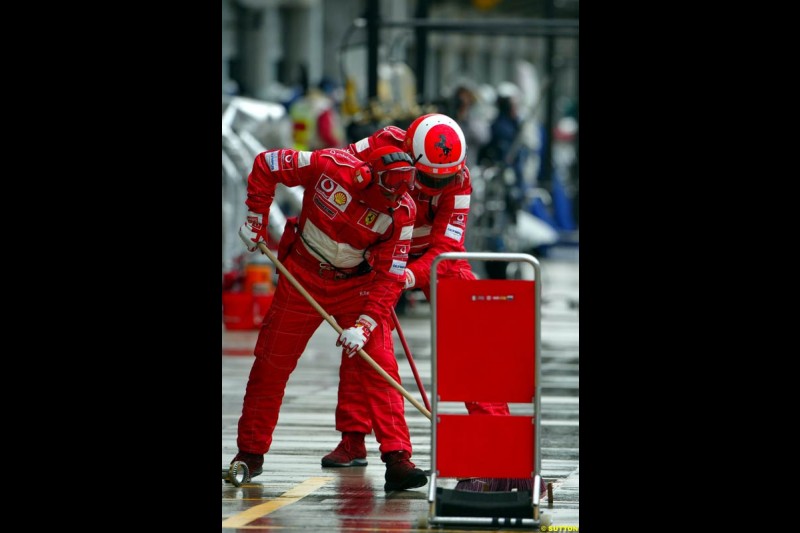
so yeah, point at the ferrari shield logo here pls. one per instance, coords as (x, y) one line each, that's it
(374, 221)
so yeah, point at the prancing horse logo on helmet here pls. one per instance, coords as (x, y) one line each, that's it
(443, 144)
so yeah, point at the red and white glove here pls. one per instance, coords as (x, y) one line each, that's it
(254, 230)
(355, 338)
(411, 280)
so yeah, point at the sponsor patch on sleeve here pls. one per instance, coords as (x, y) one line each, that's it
(461, 201)
(401, 251)
(303, 159)
(453, 232)
(362, 145)
(398, 267)
(406, 233)
(272, 160)
(287, 160)
(458, 219)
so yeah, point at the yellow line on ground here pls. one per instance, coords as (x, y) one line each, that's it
(409, 529)
(290, 496)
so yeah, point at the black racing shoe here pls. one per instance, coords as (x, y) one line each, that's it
(253, 461)
(401, 473)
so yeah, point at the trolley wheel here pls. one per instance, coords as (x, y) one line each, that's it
(237, 473)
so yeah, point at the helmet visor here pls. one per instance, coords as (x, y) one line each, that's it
(435, 182)
(397, 180)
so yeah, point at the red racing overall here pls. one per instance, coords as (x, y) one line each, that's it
(338, 238)
(439, 227)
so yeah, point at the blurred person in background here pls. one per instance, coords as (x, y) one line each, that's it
(348, 249)
(437, 145)
(504, 150)
(473, 122)
(505, 146)
(316, 120)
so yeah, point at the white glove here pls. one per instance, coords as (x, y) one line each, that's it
(254, 230)
(411, 280)
(355, 338)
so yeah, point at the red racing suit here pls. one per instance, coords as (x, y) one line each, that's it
(336, 223)
(440, 226)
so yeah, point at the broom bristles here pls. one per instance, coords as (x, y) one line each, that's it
(492, 484)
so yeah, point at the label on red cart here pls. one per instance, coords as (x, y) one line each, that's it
(492, 297)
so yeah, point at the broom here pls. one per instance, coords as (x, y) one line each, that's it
(329, 319)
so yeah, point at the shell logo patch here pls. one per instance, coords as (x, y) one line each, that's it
(339, 198)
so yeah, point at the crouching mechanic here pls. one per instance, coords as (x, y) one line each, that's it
(442, 197)
(349, 251)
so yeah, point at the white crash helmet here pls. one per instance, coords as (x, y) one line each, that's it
(437, 145)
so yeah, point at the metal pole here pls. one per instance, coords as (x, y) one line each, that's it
(372, 16)
(410, 359)
(423, 9)
(545, 173)
(525, 26)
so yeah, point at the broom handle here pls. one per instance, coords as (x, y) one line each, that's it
(410, 359)
(266, 251)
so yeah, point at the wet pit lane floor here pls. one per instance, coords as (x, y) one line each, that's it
(295, 493)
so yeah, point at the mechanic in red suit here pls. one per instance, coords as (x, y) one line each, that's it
(442, 196)
(349, 250)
